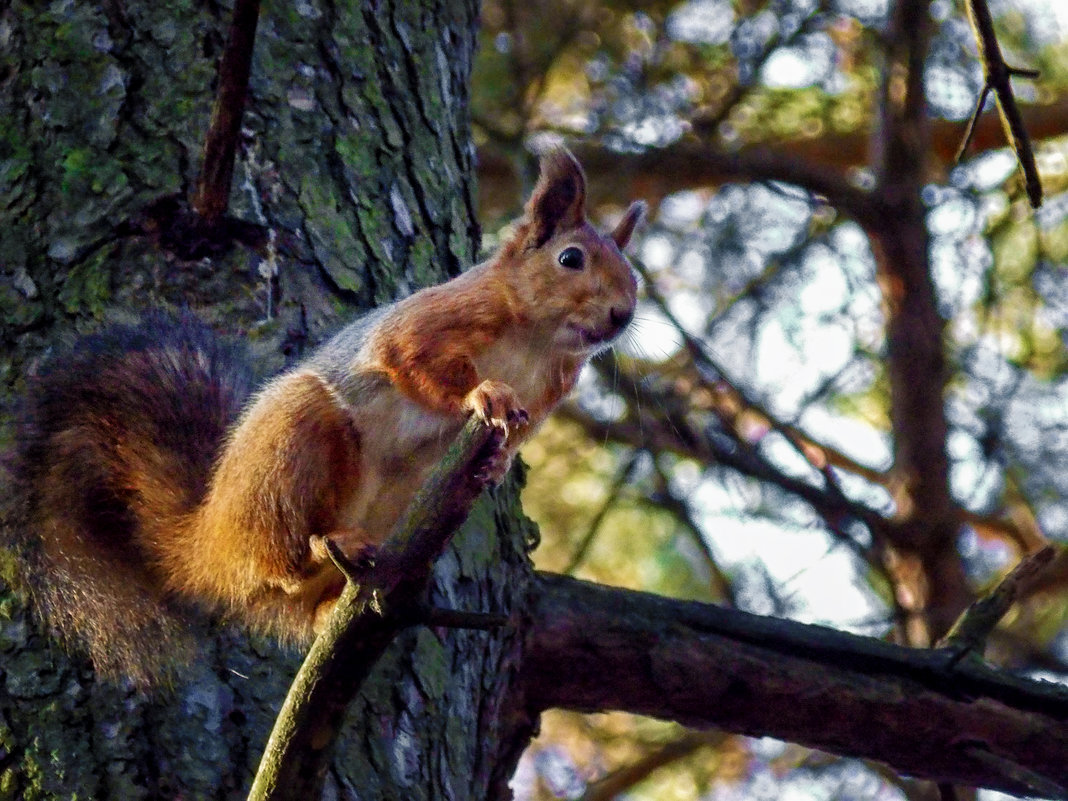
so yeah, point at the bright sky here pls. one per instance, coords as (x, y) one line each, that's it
(792, 355)
(804, 561)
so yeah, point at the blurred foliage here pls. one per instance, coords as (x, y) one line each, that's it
(783, 292)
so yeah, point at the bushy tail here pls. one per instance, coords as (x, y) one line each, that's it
(114, 448)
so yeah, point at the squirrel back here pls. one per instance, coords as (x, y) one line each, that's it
(115, 446)
(156, 482)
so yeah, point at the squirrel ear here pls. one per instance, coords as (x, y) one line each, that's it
(621, 233)
(558, 202)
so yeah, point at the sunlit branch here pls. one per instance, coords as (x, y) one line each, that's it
(973, 123)
(376, 603)
(969, 633)
(595, 648)
(997, 77)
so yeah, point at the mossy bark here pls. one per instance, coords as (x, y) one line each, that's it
(357, 163)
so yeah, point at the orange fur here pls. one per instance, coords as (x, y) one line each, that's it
(336, 447)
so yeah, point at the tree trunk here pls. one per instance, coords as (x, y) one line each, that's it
(355, 171)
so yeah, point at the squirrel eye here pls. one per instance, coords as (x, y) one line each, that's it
(572, 258)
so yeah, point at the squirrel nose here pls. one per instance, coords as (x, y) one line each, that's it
(620, 317)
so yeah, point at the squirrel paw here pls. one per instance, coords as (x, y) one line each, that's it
(352, 542)
(496, 404)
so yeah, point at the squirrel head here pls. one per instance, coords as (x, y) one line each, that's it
(567, 279)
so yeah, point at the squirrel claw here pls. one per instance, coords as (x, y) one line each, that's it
(346, 548)
(496, 404)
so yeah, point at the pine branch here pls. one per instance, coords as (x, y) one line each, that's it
(997, 76)
(969, 633)
(593, 648)
(375, 605)
(220, 145)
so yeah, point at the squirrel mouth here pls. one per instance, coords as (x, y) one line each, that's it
(589, 338)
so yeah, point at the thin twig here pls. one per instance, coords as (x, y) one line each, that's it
(220, 145)
(616, 783)
(969, 633)
(802, 443)
(997, 77)
(667, 500)
(973, 123)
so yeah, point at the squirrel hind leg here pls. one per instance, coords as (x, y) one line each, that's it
(294, 608)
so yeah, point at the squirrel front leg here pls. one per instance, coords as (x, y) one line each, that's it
(446, 380)
(497, 404)
(435, 368)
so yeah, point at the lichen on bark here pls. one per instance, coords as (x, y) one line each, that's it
(356, 157)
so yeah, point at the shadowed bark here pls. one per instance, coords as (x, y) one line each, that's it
(596, 648)
(356, 165)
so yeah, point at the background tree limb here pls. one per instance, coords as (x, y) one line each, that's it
(596, 648)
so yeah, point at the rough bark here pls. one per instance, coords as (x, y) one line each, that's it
(357, 165)
(596, 648)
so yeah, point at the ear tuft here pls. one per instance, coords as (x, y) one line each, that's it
(623, 230)
(558, 202)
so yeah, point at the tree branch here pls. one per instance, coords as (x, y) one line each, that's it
(623, 476)
(736, 399)
(925, 526)
(692, 164)
(595, 648)
(969, 633)
(670, 429)
(220, 145)
(666, 500)
(367, 617)
(997, 75)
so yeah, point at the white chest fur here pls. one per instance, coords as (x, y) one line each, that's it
(517, 359)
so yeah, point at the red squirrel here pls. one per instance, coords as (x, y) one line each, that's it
(157, 481)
